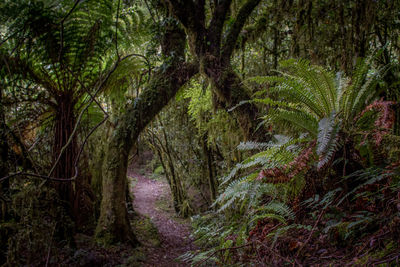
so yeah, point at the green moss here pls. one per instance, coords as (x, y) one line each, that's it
(159, 170)
(104, 238)
(146, 232)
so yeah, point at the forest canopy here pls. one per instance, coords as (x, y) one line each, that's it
(275, 125)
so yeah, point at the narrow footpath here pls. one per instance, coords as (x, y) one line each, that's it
(152, 199)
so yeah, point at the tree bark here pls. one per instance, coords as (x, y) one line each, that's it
(113, 225)
(63, 129)
(4, 185)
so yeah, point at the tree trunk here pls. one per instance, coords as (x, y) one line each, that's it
(4, 185)
(64, 125)
(113, 225)
(98, 148)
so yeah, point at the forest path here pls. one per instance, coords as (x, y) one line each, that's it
(152, 199)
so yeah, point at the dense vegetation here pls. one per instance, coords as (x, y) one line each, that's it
(275, 124)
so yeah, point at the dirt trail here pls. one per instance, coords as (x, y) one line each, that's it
(173, 232)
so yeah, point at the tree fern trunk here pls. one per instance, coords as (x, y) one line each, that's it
(63, 128)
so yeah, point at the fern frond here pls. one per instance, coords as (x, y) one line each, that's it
(367, 93)
(269, 216)
(328, 131)
(292, 90)
(361, 91)
(278, 208)
(364, 177)
(259, 161)
(267, 79)
(295, 120)
(316, 81)
(269, 101)
(235, 190)
(251, 145)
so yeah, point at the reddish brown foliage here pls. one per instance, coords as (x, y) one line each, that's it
(288, 171)
(384, 122)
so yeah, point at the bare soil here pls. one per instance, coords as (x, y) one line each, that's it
(152, 199)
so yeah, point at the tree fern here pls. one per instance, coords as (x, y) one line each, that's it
(318, 102)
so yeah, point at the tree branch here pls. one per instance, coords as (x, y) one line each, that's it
(192, 16)
(187, 12)
(232, 36)
(214, 31)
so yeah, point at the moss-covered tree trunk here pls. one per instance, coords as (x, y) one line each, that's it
(113, 225)
(98, 148)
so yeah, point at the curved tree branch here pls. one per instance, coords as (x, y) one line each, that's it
(214, 31)
(232, 36)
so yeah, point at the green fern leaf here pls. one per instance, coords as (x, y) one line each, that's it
(327, 139)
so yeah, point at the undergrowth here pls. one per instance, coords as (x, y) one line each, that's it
(325, 190)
